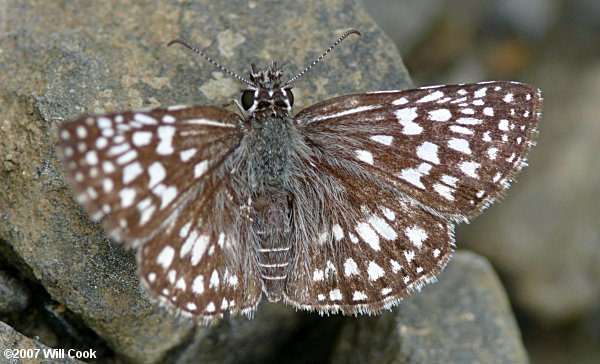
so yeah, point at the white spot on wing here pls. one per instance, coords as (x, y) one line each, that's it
(127, 196)
(375, 271)
(165, 257)
(338, 233)
(461, 145)
(383, 139)
(364, 156)
(127, 157)
(350, 267)
(208, 123)
(131, 172)
(318, 275)
(142, 138)
(165, 135)
(449, 180)
(389, 214)
(191, 306)
(400, 101)
(469, 121)
(413, 175)
(108, 167)
(346, 112)
(480, 93)
(416, 235)
(145, 119)
(187, 154)
(147, 214)
(81, 132)
(157, 174)
(185, 230)
(429, 152)
(199, 248)
(383, 228)
(214, 280)
(396, 267)
(470, 168)
(461, 130)
(368, 235)
(444, 191)
(101, 143)
(168, 119)
(335, 295)
(359, 296)
(440, 115)
(166, 193)
(432, 96)
(200, 169)
(107, 185)
(405, 118)
(181, 284)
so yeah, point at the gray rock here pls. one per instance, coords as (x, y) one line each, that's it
(59, 61)
(544, 236)
(18, 344)
(13, 295)
(464, 318)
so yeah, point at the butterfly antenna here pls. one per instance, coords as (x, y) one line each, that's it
(215, 63)
(340, 39)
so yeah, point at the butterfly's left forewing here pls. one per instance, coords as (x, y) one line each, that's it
(141, 168)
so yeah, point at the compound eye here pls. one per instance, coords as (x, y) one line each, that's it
(290, 96)
(247, 99)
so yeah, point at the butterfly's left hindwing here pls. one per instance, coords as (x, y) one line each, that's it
(199, 267)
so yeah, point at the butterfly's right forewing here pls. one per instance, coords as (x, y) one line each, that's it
(453, 148)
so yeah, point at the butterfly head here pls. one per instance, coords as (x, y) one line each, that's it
(267, 93)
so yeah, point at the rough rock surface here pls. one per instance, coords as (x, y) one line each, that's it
(13, 295)
(464, 318)
(14, 341)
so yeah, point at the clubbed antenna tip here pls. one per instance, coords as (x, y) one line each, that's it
(212, 61)
(340, 39)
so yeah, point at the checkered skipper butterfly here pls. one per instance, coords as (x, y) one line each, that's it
(347, 206)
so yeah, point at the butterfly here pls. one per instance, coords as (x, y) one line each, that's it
(345, 207)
